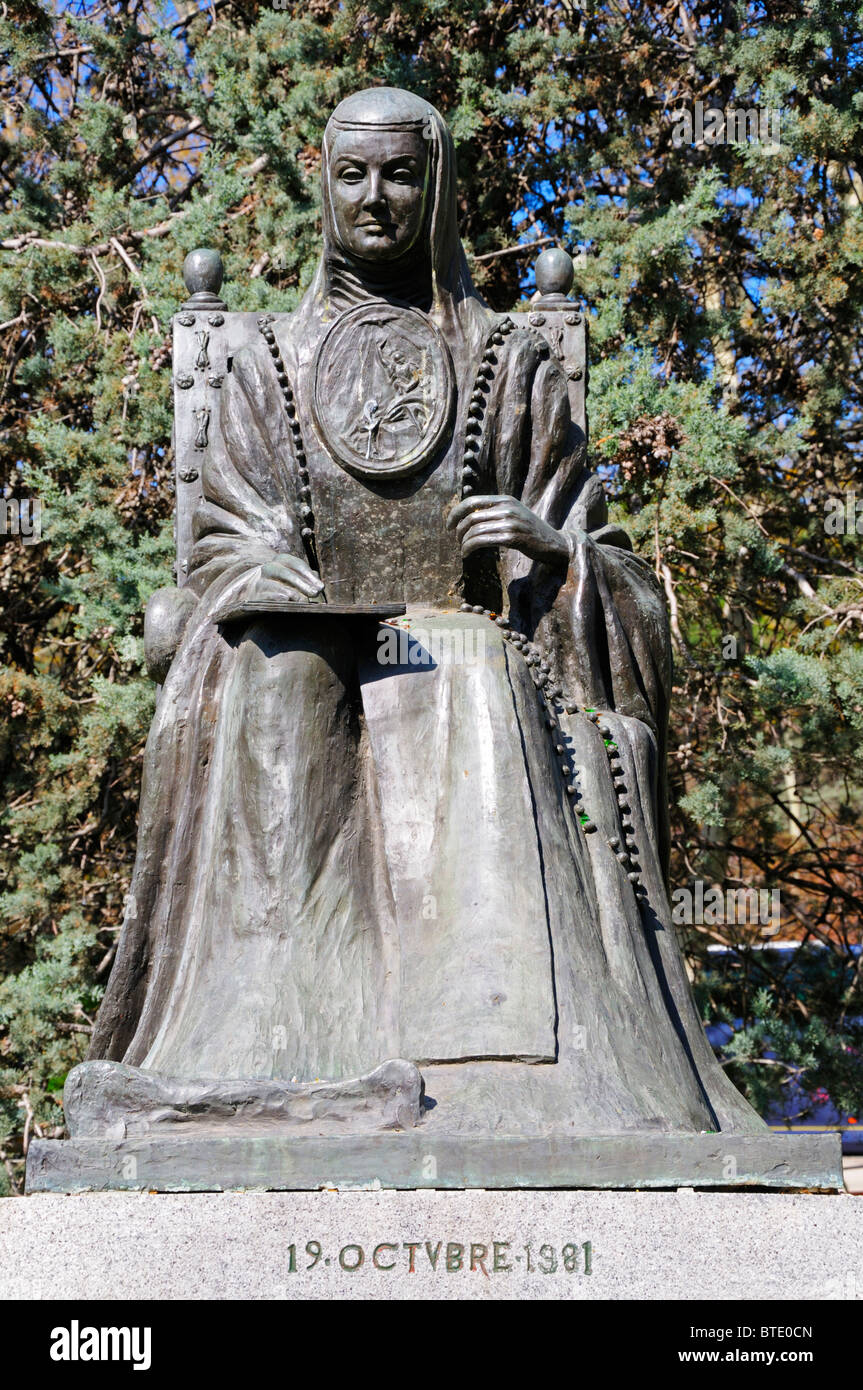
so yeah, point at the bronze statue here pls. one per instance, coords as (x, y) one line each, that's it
(406, 875)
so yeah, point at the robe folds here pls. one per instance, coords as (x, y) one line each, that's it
(356, 842)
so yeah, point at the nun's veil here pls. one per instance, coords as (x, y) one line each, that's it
(433, 274)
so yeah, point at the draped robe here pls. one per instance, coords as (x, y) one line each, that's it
(364, 860)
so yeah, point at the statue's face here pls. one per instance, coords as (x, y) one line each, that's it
(378, 182)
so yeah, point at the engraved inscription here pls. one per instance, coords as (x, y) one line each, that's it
(447, 1257)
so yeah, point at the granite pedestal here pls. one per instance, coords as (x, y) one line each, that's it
(433, 1245)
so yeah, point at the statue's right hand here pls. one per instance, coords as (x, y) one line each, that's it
(288, 577)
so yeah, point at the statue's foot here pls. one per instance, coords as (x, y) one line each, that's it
(112, 1100)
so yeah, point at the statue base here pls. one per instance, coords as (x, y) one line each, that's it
(273, 1161)
(422, 1246)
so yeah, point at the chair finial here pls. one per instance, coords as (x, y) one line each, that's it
(203, 273)
(554, 272)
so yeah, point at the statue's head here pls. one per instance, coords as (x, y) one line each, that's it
(378, 172)
(390, 219)
(378, 147)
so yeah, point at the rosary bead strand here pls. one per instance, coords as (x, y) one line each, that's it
(549, 696)
(304, 492)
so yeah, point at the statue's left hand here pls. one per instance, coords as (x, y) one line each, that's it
(289, 577)
(490, 521)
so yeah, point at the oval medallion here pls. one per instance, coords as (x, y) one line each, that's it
(383, 390)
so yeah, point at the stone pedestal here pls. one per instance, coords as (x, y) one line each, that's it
(433, 1245)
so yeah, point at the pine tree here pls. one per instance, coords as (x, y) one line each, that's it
(724, 283)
